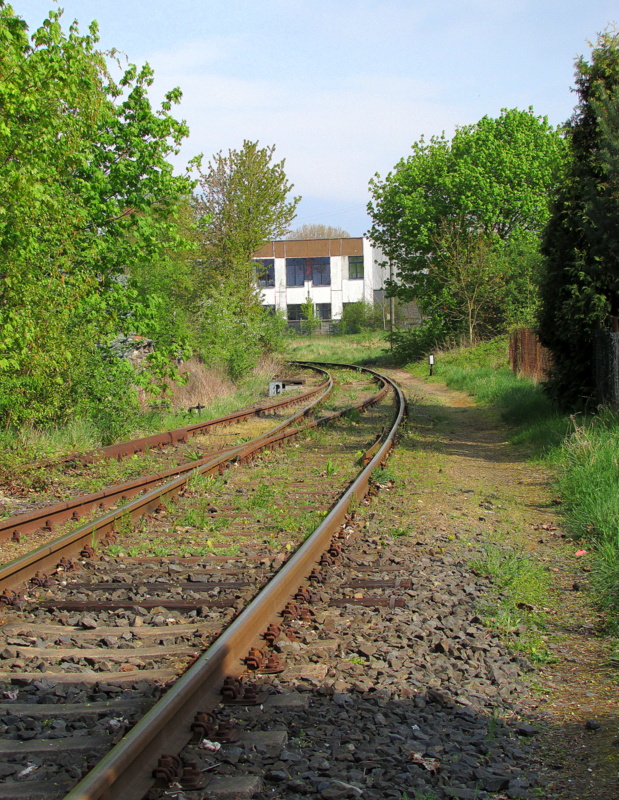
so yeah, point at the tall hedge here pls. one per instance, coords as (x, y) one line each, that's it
(580, 292)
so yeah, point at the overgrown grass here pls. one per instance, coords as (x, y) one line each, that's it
(358, 348)
(33, 444)
(583, 451)
(522, 590)
(483, 371)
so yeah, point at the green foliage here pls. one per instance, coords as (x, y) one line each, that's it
(522, 590)
(454, 216)
(588, 479)
(317, 231)
(236, 335)
(310, 322)
(483, 371)
(86, 191)
(581, 243)
(244, 202)
(358, 317)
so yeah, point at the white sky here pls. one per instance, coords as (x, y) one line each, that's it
(344, 87)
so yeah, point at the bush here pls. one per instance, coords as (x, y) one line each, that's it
(358, 317)
(415, 343)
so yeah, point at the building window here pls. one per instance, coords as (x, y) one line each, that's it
(293, 312)
(355, 268)
(317, 270)
(321, 271)
(295, 271)
(265, 271)
(323, 310)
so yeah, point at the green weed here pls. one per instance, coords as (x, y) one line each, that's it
(383, 476)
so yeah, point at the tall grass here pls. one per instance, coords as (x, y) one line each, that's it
(483, 371)
(208, 387)
(357, 348)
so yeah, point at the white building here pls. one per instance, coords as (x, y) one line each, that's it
(332, 272)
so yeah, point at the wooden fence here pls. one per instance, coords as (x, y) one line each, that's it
(527, 356)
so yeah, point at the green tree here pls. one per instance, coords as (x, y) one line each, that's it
(310, 322)
(244, 202)
(489, 185)
(86, 191)
(463, 269)
(580, 293)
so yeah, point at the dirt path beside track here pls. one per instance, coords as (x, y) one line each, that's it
(467, 487)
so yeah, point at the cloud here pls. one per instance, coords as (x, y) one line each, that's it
(333, 140)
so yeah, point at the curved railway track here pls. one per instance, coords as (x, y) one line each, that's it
(170, 447)
(90, 642)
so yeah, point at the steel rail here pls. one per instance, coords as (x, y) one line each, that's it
(49, 516)
(103, 528)
(180, 435)
(124, 773)
(48, 555)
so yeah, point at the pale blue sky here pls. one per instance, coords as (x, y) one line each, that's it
(343, 88)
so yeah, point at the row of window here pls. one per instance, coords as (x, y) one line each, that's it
(301, 270)
(293, 311)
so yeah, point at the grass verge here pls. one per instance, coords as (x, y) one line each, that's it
(357, 348)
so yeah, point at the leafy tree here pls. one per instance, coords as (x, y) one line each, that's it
(310, 321)
(360, 316)
(463, 271)
(487, 187)
(86, 192)
(581, 243)
(244, 202)
(316, 231)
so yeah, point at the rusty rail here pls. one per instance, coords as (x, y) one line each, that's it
(179, 435)
(52, 515)
(81, 540)
(125, 772)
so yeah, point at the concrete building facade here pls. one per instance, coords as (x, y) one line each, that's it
(332, 272)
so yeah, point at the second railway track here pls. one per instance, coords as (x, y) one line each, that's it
(91, 644)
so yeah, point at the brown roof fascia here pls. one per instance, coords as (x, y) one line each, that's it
(311, 248)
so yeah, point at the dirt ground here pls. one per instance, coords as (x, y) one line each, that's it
(468, 485)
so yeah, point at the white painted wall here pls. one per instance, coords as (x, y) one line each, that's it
(342, 289)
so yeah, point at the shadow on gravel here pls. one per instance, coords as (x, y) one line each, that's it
(465, 436)
(346, 744)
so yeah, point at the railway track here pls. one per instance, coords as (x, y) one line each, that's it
(99, 623)
(41, 492)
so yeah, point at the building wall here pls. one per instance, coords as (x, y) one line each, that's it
(342, 290)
